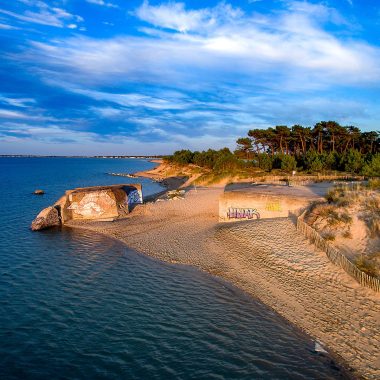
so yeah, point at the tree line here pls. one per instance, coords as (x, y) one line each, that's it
(324, 137)
(327, 146)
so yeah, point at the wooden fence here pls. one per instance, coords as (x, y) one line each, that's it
(309, 178)
(304, 180)
(337, 257)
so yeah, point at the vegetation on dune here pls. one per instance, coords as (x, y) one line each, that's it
(347, 212)
(371, 215)
(327, 146)
(369, 265)
(331, 216)
(218, 160)
(374, 184)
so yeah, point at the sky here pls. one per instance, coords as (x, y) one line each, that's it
(87, 77)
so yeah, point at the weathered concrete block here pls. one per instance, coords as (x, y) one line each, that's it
(99, 202)
(47, 218)
(91, 203)
(261, 202)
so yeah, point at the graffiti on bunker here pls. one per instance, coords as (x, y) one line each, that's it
(273, 206)
(134, 197)
(242, 213)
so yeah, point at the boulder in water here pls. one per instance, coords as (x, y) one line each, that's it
(47, 218)
(39, 192)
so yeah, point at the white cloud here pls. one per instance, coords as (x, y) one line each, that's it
(108, 112)
(44, 14)
(30, 114)
(8, 27)
(129, 99)
(17, 102)
(102, 3)
(290, 47)
(174, 16)
(9, 114)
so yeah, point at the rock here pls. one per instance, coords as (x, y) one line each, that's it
(39, 192)
(47, 218)
(175, 194)
(319, 347)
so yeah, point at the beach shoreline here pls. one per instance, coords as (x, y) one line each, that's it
(267, 259)
(338, 361)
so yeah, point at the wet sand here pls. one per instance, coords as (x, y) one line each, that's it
(268, 259)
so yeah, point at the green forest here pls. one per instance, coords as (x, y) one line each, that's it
(326, 147)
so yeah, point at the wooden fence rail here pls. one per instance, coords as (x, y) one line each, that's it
(303, 180)
(337, 257)
(309, 178)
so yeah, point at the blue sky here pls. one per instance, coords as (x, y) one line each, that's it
(149, 77)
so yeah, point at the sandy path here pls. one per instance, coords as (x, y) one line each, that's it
(268, 259)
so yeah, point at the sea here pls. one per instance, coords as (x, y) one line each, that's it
(77, 305)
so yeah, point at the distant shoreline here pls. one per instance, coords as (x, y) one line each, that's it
(69, 156)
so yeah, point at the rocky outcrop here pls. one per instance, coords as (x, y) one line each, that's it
(38, 192)
(48, 217)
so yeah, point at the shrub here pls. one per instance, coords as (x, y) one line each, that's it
(265, 162)
(330, 214)
(371, 216)
(182, 157)
(205, 159)
(329, 236)
(352, 161)
(277, 160)
(345, 218)
(288, 163)
(313, 161)
(227, 163)
(316, 165)
(374, 227)
(367, 266)
(374, 184)
(334, 195)
(372, 168)
(342, 203)
(330, 160)
(347, 234)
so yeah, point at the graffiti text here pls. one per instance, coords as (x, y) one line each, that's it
(134, 197)
(242, 213)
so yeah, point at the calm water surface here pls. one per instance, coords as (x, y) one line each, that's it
(74, 305)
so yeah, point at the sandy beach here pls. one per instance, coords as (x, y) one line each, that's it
(269, 260)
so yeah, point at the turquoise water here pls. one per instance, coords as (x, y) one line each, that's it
(75, 305)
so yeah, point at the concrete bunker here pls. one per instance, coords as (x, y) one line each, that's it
(99, 202)
(102, 203)
(261, 201)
